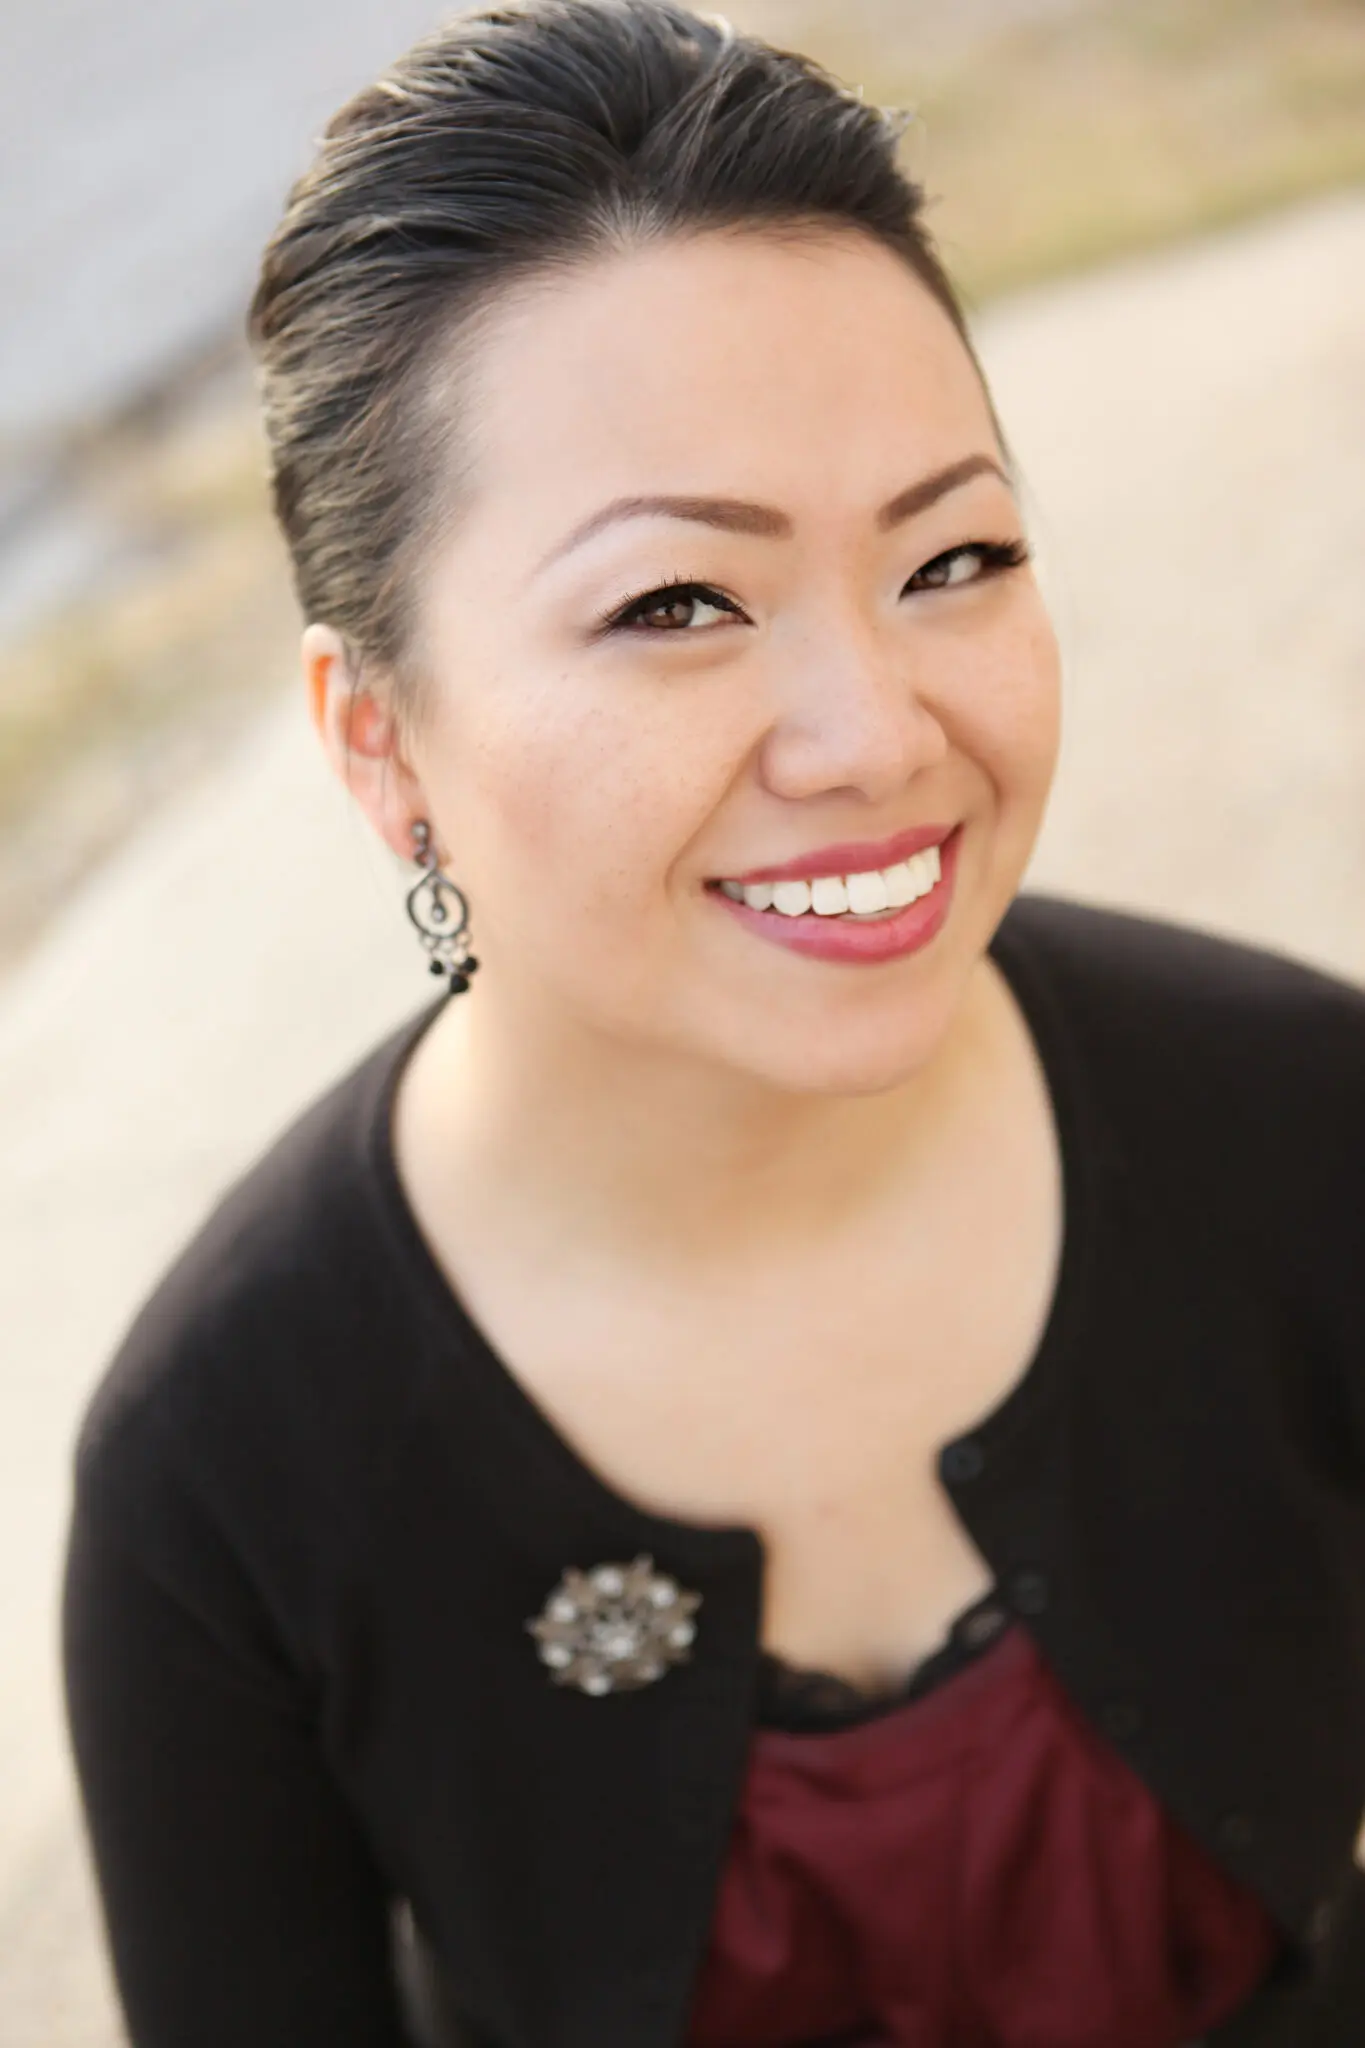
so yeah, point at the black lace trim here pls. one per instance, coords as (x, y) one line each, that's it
(801, 1701)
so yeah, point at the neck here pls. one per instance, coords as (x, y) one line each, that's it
(634, 1151)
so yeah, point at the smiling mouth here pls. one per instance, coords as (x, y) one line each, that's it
(874, 893)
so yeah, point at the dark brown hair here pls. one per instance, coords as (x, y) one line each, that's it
(516, 140)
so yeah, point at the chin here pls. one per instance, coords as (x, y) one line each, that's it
(865, 1046)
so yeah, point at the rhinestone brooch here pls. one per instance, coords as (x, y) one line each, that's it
(615, 1627)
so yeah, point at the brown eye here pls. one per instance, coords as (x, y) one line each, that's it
(976, 559)
(676, 604)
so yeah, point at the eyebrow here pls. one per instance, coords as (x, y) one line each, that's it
(740, 515)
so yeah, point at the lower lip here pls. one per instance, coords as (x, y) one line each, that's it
(857, 939)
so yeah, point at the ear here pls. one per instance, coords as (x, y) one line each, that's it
(356, 728)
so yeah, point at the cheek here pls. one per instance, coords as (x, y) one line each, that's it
(581, 797)
(1006, 706)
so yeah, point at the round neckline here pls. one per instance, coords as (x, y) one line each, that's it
(1047, 1029)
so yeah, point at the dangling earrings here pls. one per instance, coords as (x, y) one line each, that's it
(446, 924)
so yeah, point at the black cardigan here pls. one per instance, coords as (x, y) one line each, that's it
(314, 1513)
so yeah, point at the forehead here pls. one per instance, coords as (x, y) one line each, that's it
(812, 362)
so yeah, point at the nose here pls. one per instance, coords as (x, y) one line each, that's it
(850, 716)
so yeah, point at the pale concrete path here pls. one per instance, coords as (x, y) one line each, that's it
(1192, 429)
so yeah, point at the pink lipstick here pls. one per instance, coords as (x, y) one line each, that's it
(884, 935)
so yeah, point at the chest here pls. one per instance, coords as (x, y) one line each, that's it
(805, 1398)
(818, 1423)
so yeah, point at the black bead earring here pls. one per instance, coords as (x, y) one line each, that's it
(441, 914)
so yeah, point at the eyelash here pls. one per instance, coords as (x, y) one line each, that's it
(994, 556)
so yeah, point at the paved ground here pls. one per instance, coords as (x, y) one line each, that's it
(152, 147)
(1190, 427)
(145, 153)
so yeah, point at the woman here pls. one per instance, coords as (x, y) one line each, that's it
(783, 1464)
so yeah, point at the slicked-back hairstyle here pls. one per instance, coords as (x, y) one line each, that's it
(518, 139)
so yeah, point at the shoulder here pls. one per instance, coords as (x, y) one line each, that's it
(1242, 1059)
(1116, 962)
(269, 1354)
(1129, 982)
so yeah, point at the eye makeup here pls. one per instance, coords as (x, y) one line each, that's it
(992, 558)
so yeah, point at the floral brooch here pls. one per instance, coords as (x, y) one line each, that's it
(615, 1627)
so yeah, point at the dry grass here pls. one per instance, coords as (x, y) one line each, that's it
(1091, 128)
(1103, 126)
(182, 620)
(108, 705)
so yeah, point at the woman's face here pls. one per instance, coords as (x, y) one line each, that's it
(827, 684)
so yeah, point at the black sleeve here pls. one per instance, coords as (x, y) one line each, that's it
(242, 1905)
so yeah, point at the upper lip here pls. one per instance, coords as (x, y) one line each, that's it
(850, 857)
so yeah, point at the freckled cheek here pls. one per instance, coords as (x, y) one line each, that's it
(1002, 706)
(592, 810)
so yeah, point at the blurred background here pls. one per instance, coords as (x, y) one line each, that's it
(1156, 211)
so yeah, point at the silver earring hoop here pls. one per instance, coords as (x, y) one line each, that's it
(440, 912)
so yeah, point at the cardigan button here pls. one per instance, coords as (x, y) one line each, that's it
(983, 1626)
(1236, 1831)
(1322, 1922)
(962, 1460)
(1029, 1592)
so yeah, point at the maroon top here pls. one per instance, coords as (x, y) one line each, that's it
(973, 1865)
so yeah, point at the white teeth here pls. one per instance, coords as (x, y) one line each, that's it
(828, 896)
(791, 898)
(902, 885)
(861, 895)
(867, 892)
